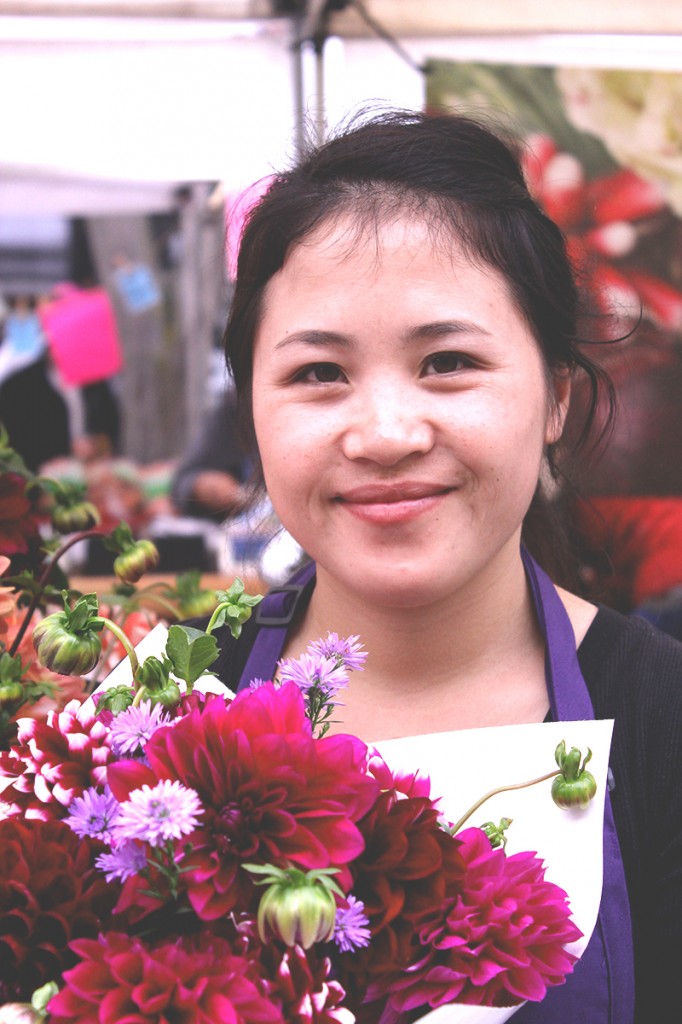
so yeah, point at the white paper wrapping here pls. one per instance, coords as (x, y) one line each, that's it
(464, 765)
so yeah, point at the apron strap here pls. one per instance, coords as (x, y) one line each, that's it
(570, 701)
(273, 616)
(569, 698)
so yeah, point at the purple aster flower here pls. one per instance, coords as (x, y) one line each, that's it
(131, 729)
(94, 814)
(346, 651)
(314, 670)
(256, 683)
(126, 860)
(351, 927)
(156, 814)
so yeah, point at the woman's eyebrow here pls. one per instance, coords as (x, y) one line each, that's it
(441, 328)
(317, 338)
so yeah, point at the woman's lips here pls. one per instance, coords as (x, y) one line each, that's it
(388, 505)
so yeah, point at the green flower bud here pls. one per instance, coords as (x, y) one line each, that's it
(574, 787)
(298, 908)
(72, 518)
(68, 642)
(10, 693)
(135, 561)
(41, 997)
(496, 833)
(154, 676)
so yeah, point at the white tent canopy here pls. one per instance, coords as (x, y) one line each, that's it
(113, 113)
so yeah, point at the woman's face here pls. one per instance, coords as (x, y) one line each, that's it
(401, 409)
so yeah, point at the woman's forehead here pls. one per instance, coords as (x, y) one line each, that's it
(352, 234)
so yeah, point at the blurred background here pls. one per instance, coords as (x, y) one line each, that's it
(134, 137)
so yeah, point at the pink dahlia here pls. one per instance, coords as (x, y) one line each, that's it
(196, 980)
(270, 792)
(55, 760)
(307, 992)
(50, 893)
(499, 941)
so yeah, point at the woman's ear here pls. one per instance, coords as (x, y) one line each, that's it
(560, 401)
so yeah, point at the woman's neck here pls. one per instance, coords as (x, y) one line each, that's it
(474, 659)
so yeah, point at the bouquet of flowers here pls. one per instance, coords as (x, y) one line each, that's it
(173, 852)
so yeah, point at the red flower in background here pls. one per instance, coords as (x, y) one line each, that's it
(196, 980)
(271, 793)
(49, 894)
(54, 760)
(18, 523)
(604, 220)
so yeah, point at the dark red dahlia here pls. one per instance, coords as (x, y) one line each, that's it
(499, 941)
(50, 893)
(271, 793)
(196, 980)
(54, 760)
(403, 876)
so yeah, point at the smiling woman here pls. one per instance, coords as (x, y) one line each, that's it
(402, 410)
(403, 338)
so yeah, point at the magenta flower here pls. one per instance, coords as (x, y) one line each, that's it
(499, 941)
(55, 760)
(271, 793)
(193, 980)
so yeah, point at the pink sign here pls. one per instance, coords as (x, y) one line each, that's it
(82, 334)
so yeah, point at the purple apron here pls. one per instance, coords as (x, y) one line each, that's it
(601, 988)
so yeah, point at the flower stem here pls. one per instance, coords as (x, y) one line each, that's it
(214, 616)
(140, 696)
(136, 600)
(493, 792)
(42, 582)
(120, 635)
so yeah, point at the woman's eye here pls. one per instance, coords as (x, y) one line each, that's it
(445, 362)
(321, 373)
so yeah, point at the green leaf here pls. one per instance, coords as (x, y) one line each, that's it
(116, 699)
(120, 539)
(84, 609)
(11, 668)
(187, 584)
(191, 651)
(234, 607)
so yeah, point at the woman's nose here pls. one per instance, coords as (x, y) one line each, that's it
(387, 424)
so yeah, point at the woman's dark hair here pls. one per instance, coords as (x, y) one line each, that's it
(460, 177)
